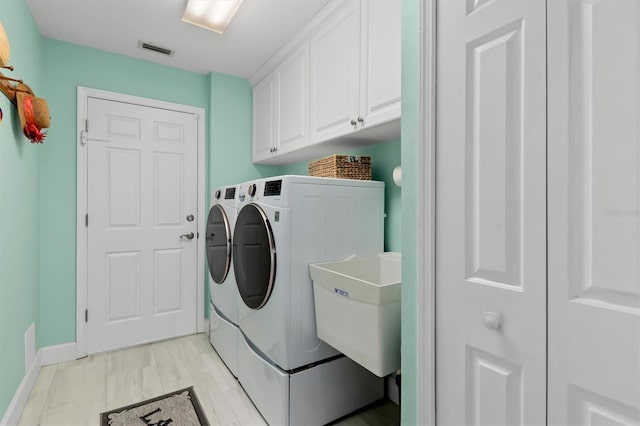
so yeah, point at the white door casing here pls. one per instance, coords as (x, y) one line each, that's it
(139, 177)
(491, 213)
(594, 212)
(426, 190)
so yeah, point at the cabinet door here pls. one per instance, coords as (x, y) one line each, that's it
(263, 118)
(335, 74)
(292, 100)
(594, 212)
(381, 45)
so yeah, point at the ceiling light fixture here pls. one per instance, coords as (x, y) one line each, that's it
(213, 15)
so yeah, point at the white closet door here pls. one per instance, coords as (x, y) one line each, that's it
(594, 212)
(491, 213)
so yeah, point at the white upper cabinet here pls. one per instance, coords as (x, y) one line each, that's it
(281, 108)
(292, 102)
(335, 84)
(380, 82)
(263, 118)
(335, 74)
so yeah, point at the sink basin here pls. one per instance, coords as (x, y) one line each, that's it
(357, 303)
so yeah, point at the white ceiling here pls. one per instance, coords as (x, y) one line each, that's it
(258, 30)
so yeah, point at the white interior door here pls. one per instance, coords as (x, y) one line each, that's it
(142, 211)
(594, 212)
(491, 213)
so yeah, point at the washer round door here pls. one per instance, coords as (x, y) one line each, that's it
(218, 243)
(254, 256)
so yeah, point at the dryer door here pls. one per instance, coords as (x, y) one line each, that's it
(218, 244)
(254, 256)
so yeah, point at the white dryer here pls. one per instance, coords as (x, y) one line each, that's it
(283, 224)
(223, 325)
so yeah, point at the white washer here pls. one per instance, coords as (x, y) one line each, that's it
(283, 224)
(223, 325)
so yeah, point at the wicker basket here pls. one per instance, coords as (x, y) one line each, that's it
(342, 167)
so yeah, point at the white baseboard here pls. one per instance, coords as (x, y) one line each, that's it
(59, 353)
(14, 411)
(30, 346)
(45, 356)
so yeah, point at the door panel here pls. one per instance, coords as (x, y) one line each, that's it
(491, 213)
(123, 286)
(335, 74)
(594, 205)
(168, 281)
(292, 83)
(142, 183)
(123, 171)
(494, 389)
(168, 189)
(493, 152)
(380, 55)
(264, 118)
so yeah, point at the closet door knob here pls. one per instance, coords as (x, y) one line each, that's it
(353, 122)
(492, 320)
(360, 120)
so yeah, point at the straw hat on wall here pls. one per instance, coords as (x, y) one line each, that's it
(34, 114)
(5, 50)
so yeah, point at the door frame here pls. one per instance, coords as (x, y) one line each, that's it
(83, 95)
(426, 191)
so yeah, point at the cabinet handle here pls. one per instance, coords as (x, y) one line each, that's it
(360, 120)
(353, 122)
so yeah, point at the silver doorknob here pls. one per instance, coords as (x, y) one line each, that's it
(492, 320)
(188, 236)
(353, 122)
(360, 120)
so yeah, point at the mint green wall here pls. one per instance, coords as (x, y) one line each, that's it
(410, 90)
(384, 158)
(69, 66)
(19, 204)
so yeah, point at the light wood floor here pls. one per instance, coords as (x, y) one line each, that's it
(76, 392)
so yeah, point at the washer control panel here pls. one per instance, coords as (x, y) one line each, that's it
(272, 188)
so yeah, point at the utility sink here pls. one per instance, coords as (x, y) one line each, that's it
(357, 303)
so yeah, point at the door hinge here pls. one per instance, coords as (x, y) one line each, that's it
(86, 315)
(86, 220)
(86, 125)
(84, 136)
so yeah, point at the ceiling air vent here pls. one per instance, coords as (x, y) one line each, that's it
(154, 48)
